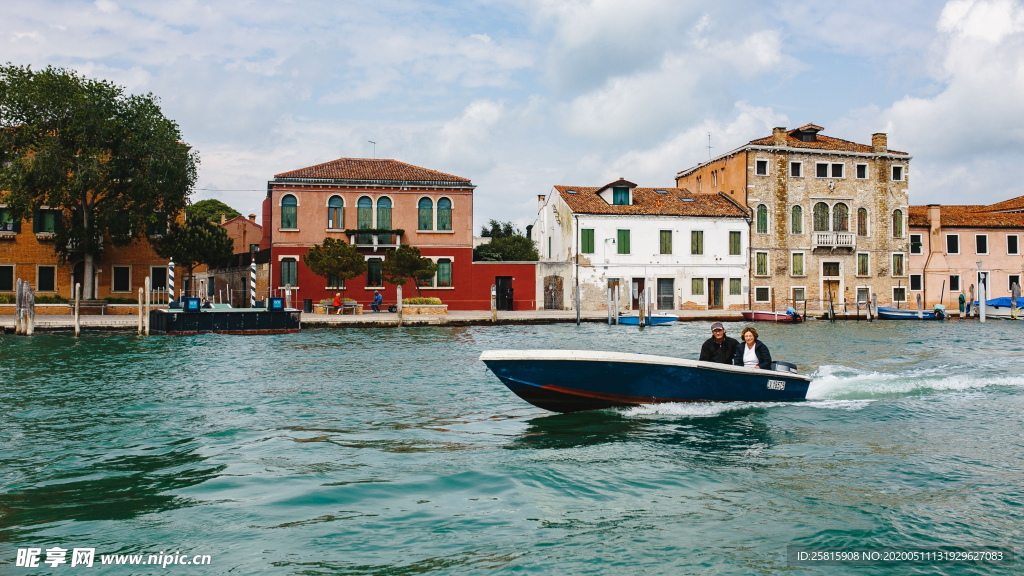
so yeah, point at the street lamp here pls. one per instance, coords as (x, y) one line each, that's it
(982, 290)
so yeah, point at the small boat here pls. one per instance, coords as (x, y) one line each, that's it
(656, 319)
(575, 380)
(779, 317)
(1003, 308)
(886, 313)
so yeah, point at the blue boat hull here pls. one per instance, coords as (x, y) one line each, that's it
(885, 313)
(655, 320)
(574, 380)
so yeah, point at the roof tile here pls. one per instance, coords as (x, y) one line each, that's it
(647, 201)
(372, 170)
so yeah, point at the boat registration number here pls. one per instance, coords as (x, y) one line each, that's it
(776, 384)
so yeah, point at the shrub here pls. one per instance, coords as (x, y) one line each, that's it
(414, 301)
(7, 299)
(49, 300)
(120, 300)
(330, 301)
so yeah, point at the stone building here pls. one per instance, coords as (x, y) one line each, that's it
(689, 249)
(828, 216)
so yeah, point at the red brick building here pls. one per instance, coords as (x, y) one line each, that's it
(246, 234)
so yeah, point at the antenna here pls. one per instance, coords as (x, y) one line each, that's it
(709, 145)
(374, 148)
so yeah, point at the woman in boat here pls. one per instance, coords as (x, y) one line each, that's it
(752, 353)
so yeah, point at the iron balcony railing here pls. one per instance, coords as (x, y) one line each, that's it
(834, 240)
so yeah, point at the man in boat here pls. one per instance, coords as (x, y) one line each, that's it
(719, 348)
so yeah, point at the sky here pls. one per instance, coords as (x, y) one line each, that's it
(521, 95)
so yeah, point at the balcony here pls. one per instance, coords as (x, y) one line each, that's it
(375, 241)
(833, 240)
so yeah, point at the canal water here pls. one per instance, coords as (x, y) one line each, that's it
(395, 451)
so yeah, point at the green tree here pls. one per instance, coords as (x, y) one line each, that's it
(109, 163)
(197, 241)
(495, 230)
(507, 244)
(335, 258)
(211, 209)
(405, 263)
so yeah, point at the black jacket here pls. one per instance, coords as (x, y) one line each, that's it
(764, 358)
(722, 353)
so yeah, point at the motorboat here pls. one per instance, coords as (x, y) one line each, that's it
(779, 317)
(575, 380)
(1003, 308)
(655, 319)
(887, 313)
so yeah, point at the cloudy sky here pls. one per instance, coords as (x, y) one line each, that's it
(519, 95)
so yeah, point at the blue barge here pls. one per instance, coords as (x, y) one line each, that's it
(190, 319)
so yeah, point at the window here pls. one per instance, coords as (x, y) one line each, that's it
(862, 171)
(821, 170)
(374, 279)
(426, 219)
(897, 265)
(837, 170)
(122, 279)
(862, 294)
(799, 294)
(444, 214)
(863, 264)
(762, 294)
(897, 173)
(735, 237)
(549, 246)
(761, 259)
(364, 219)
(46, 221)
(6, 278)
(821, 217)
(796, 169)
(425, 282)
(666, 293)
(1011, 280)
(954, 283)
(335, 282)
(698, 183)
(840, 218)
(761, 167)
(157, 278)
(735, 286)
(254, 247)
(897, 224)
(915, 244)
(623, 242)
(384, 219)
(666, 242)
(7, 223)
(587, 241)
(620, 196)
(798, 220)
(156, 224)
(952, 243)
(899, 294)
(981, 243)
(862, 222)
(714, 178)
(798, 264)
(47, 279)
(1012, 245)
(444, 273)
(336, 213)
(289, 212)
(762, 219)
(697, 286)
(289, 272)
(915, 282)
(697, 242)
(830, 269)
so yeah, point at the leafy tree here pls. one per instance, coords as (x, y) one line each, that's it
(109, 163)
(495, 230)
(335, 258)
(197, 241)
(211, 209)
(507, 244)
(405, 263)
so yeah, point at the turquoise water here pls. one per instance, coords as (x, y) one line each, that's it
(384, 451)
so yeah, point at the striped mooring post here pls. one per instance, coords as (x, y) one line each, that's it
(170, 281)
(252, 284)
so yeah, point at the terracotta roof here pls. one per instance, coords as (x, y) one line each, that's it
(967, 216)
(1011, 205)
(242, 218)
(648, 201)
(822, 143)
(364, 169)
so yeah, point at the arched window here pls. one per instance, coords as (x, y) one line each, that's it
(798, 220)
(821, 217)
(444, 214)
(384, 219)
(840, 218)
(862, 222)
(335, 213)
(444, 273)
(289, 212)
(897, 224)
(762, 219)
(426, 220)
(364, 219)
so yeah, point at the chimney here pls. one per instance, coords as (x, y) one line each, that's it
(880, 143)
(779, 136)
(223, 218)
(540, 202)
(252, 218)
(934, 220)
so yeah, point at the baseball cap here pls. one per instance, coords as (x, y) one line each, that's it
(717, 325)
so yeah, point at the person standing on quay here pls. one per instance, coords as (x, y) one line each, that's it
(719, 348)
(508, 298)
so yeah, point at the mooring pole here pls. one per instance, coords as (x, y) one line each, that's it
(149, 286)
(141, 296)
(399, 305)
(874, 303)
(609, 306)
(494, 304)
(30, 302)
(287, 295)
(616, 304)
(577, 290)
(18, 305)
(78, 301)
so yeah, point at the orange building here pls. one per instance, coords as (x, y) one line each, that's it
(246, 234)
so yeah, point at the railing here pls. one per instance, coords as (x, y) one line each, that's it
(376, 240)
(834, 240)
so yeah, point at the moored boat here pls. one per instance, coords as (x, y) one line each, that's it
(656, 319)
(575, 380)
(779, 317)
(1003, 308)
(887, 313)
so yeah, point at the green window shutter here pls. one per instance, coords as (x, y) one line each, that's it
(666, 241)
(587, 241)
(697, 286)
(762, 219)
(897, 264)
(862, 264)
(623, 242)
(696, 242)
(762, 264)
(735, 286)
(444, 214)
(798, 264)
(734, 243)
(426, 214)
(821, 217)
(798, 220)
(444, 272)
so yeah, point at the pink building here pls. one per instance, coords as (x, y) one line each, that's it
(947, 242)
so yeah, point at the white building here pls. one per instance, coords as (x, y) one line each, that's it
(690, 249)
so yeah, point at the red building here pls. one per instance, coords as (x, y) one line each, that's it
(397, 203)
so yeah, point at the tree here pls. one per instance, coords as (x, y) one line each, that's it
(335, 258)
(405, 263)
(211, 209)
(507, 244)
(108, 164)
(495, 230)
(197, 241)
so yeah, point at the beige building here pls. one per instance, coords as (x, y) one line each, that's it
(829, 216)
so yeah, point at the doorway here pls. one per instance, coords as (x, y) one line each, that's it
(831, 289)
(502, 285)
(552, 292)
(638, 289)
(715, 297)
(666, 293)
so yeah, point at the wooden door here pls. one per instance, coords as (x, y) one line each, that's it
(553, 292)
(831, 293)
(716, 293)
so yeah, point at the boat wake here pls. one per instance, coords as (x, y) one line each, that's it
(711, 409)
(845, 383)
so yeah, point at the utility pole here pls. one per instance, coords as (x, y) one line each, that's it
(374, 148)
(709, 145)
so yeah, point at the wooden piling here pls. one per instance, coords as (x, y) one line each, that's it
(149, 286)
(30, 309)
(494, 304)
(17, 306)
(78, 301)
(616, 304)
(399, 306)
(140, 311)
